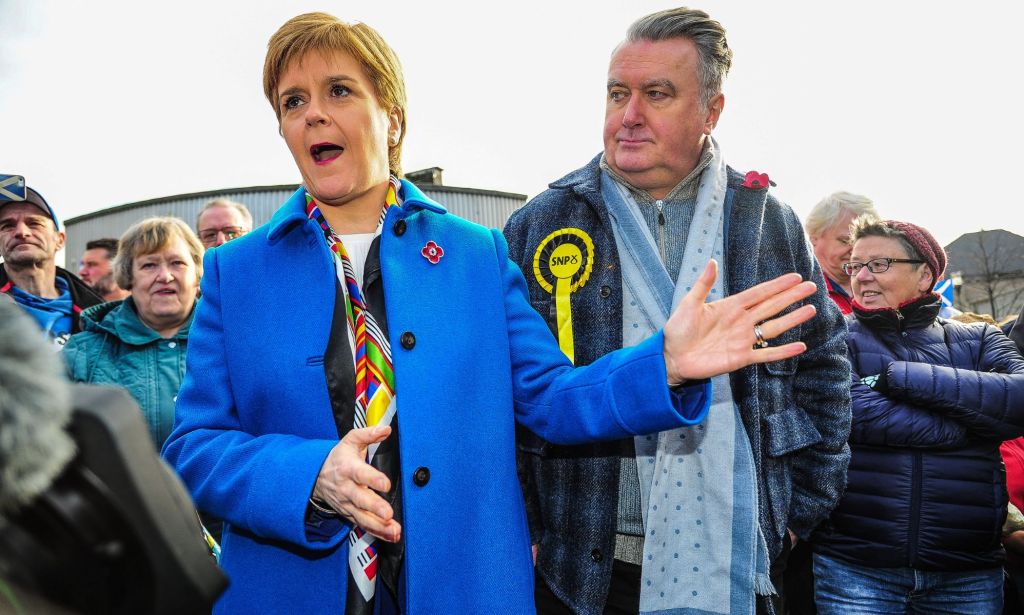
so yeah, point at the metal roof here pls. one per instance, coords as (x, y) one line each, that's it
(489, 208)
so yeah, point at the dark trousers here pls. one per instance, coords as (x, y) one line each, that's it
(623, 595)
(624, 592)
(798, 582)
(776, 605)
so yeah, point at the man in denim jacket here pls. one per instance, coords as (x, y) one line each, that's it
(700, 517)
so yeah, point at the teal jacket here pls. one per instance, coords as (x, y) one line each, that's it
(116, 348)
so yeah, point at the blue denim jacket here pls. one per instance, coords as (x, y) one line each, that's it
(796, 412)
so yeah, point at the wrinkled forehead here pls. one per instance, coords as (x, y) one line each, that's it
(172, 245)
(870, 247)
(96, 254)
(842, 225)
(18, 209)
(219, 216)
(675, 56)
(333, 58)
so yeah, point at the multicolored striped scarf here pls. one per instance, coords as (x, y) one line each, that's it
(375, 390)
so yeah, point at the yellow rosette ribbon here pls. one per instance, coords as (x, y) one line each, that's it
(562, 263)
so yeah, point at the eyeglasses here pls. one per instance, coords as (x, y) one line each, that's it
(230, 232)
(875, 265)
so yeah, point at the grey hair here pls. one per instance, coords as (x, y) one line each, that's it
(227, 204)
(871, 226)
(830, 209)
(708, 35)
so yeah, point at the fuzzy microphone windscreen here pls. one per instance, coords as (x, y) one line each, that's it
(35, 407)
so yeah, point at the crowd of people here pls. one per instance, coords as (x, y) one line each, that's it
(655, 392)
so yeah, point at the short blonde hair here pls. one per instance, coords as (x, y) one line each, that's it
(327, 34)
(149, 236)
(832, 208)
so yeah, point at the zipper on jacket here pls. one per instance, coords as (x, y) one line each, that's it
(915, 509)
(661, 231)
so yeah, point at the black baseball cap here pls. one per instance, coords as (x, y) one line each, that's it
(34, 198)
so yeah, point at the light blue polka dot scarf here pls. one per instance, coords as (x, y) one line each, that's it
(703, 548)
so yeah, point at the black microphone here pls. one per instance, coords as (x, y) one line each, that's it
(91, 519)
(35, 407)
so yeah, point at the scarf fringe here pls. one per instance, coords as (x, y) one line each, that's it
(763, 585)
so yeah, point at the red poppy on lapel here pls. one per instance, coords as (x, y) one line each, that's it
(432, 252)
(756, 181)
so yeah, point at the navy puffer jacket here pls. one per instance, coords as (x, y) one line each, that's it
(926, 486)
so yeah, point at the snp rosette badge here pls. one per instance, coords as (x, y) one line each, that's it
(562, 264)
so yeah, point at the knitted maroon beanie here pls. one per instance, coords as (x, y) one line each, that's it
(926, 245)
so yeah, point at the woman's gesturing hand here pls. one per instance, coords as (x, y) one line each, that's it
(348, 484)
(707, 339)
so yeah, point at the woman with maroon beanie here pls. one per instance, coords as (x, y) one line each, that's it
(918, 529)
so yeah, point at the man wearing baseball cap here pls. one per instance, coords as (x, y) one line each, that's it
(30, 238)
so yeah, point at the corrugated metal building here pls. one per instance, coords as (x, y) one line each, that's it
(487, 207)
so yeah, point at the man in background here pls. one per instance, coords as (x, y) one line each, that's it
(95, 269)
(222, 220)
(828, 226)
(30, 238)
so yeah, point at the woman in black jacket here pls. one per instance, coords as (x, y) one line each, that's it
(919, 526)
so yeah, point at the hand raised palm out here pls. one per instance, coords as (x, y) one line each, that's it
(701, 340)
(707, 339)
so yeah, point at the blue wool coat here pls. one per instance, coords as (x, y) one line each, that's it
(926, 486)
(254, 421)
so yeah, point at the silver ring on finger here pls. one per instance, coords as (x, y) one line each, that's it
(760, 342)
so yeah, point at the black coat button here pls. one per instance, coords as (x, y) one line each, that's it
(596, 555)
(606, 291)
(408, 340)
(421, 476)
(399, 228)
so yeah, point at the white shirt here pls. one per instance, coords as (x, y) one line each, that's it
(358, 247)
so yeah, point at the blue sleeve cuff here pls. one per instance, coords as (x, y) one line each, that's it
(656, 407)
(692, 400)
(321, 527)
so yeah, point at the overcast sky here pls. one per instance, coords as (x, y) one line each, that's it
(915, 104)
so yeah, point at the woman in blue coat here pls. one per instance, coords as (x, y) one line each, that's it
(357, 365)
(918, 530)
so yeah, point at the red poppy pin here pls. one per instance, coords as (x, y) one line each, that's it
(756, 181)
(432, 252)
